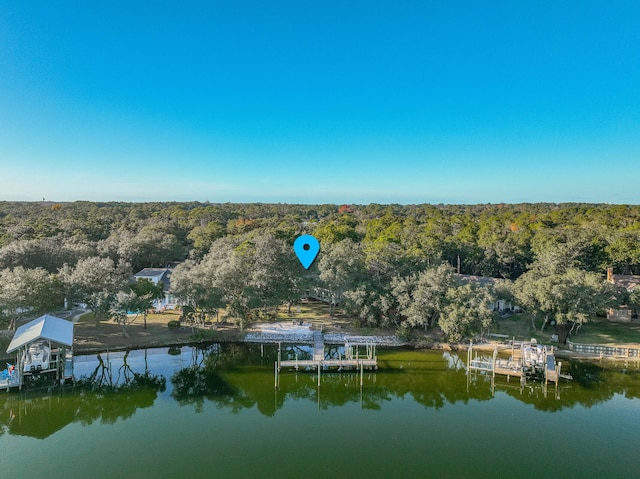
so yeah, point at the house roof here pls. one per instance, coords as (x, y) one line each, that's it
(151, 272)
(156, 275)
(45, 327)
(627, 281)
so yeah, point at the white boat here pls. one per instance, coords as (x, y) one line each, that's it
(533, 355)
(37, 357)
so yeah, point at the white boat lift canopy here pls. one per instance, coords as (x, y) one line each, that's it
(48, 327)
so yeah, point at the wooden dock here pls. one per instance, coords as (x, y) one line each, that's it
(528, 361)
(60, 369)
(352, 359)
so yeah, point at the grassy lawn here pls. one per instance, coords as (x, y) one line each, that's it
(90, 318)
(606, 332)
(519, 326)
(314, 312)
(167, 316)
(307, 310)
(599, 331)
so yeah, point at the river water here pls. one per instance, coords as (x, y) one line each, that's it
(190, 412)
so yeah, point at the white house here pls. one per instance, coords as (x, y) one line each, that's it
(156, 276)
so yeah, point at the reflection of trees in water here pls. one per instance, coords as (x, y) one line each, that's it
(292, 352)
(587, 374)
(615, 378)
(203, 379)
(106, 376)
(227, 375)
(592, 384)
(337, 389)
(230, 376)
(107, 394)
(236, 377)
(228, 379)
(110, 403)
(117, 392)
(194, 384)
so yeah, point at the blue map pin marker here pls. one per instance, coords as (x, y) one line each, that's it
(306, 248)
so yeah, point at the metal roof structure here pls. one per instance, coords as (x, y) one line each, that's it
(151, 272)
(156, 275)
(48, 327)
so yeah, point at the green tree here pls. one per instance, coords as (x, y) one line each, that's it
(569, 298)
(144, 293)
(275, 273)
(334, 232)
(624, 252)
(466, 312)
(194, 284)
(94, 281)
(156, 246)
(27, 293)
(203, 236)
(371, 304)
(423, 297)
(232, 271)
(342, 267)
(47, 253)
(120, 305)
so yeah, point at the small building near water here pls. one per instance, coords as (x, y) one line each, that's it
(628, 283)
(43, 346)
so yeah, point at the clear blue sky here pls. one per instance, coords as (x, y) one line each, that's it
(313, 102)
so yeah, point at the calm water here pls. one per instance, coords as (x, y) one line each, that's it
(193, 413)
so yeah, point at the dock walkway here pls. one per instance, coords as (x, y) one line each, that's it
(318, 346)
(530, 360)
(352, 358)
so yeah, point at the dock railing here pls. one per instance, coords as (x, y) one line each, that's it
(607, 350)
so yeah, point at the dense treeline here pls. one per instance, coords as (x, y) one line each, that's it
(377, 259)
(491, 240)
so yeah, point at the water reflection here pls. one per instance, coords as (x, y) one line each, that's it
(228, 377)
(100, 398)
(240, 377)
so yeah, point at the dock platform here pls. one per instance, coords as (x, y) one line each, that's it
(529, 361)
(352, 359)
(9, 381)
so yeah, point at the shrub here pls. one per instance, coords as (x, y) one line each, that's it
(174, 324)
(403, 332)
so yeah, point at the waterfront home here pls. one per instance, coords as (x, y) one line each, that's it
(159, 276)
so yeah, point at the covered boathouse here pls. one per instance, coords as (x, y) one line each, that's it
(43, 346)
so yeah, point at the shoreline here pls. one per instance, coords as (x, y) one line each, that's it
(382, 342)
(108, 337)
